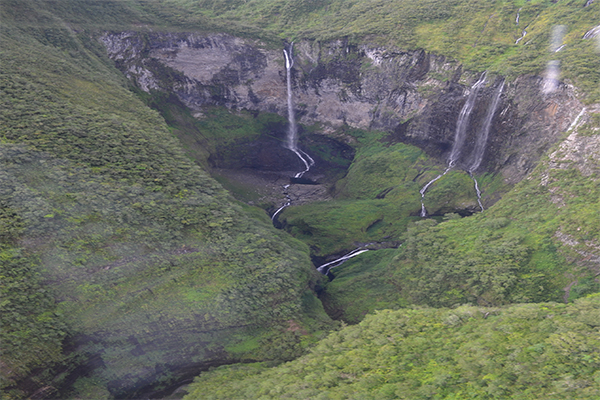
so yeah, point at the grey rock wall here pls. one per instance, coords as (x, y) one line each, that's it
(414, 96)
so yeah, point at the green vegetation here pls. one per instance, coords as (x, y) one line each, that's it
(523, 249)
(116, 240)
(529, 351)
(122, 262)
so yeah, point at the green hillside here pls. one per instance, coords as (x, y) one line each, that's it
(529, 351)
(118, 251)
(126, 269)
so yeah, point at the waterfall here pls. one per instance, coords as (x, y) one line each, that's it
(325, 268)
(461, 134)
(518, 14)
(521, 38)
(424, 189)
(287, 203)
(463, 122)
(459, 137)
(482, 138)
(595, 31)
(477, 190)
(292, 135)
(576, 120)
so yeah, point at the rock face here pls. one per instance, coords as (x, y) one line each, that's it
(414, 96)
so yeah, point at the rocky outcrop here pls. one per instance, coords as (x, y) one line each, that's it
(414, 96)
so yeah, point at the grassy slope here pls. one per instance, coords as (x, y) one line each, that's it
(529, 351)
(121, 238)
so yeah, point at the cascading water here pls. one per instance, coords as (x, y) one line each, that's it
(292, 133)
(325, 268)
(424, 189)
(482, 137)
(576, 120)
(292, 136)
(479, 149)
(595, 31)
(463, 122)
(459, 137)
(477, 190)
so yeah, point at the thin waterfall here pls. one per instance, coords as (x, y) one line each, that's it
(595, 31)
(576, 120)
(292, 136)
(424, 189)
(459, 137)
(463, 122)
(482, 138)
(292, 133)
(325, 268)
(287, 203)
(477, 190)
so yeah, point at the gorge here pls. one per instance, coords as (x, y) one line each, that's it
(177, 178)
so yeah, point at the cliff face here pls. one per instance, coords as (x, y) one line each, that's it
(415, 96)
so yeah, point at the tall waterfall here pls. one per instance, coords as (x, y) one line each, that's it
(481, 142)
(482, 137)
(463, 122)
(459, 137)
(292, 133)
(292, 136)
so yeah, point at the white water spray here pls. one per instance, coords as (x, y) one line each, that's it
(552, 73)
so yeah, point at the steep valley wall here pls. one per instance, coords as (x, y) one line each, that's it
(413, 96)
